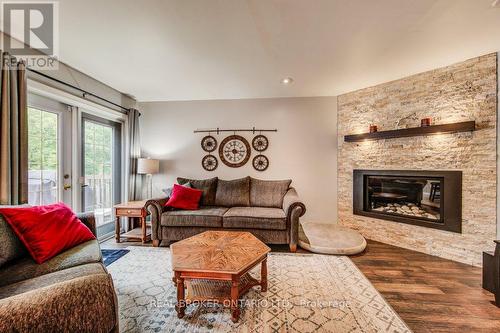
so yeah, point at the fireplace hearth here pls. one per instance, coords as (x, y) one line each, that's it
(426, 198)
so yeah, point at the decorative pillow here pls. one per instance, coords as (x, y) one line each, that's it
(168, 191)
(48, 230)
(233, 193)
(208, 186)
(11, 247)
(268, 193)
(184, 198)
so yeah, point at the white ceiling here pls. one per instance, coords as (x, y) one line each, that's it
(222, 49)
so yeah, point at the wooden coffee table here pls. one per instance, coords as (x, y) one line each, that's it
(213, 266)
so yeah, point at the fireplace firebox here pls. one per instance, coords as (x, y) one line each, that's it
(430, 199)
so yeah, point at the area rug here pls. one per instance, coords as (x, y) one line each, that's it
(109, 256)
(307, 293)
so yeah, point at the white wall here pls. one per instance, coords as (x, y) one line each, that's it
(68, 74)
(304, 149)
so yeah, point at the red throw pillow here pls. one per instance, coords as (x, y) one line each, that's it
(48, 230)
(184, 197)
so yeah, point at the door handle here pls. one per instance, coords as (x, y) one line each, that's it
(85, 185)
(66, 186)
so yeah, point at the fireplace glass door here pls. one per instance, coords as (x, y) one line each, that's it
(413, 197)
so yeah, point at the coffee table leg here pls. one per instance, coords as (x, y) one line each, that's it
(235, 310)
(263, 276)
(181, 302)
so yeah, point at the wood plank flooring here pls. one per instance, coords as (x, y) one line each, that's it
(429, 293)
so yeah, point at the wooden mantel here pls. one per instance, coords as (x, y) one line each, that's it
(466, 126)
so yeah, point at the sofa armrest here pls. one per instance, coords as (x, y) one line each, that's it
(291, 200)
(88, 219)
(68, 306)
(155, 207)
(294, 208)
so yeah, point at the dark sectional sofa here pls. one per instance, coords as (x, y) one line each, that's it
(72, 292)
(269, 209)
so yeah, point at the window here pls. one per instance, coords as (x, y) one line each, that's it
(43, 157)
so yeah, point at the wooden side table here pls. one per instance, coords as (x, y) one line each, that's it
(132, 209)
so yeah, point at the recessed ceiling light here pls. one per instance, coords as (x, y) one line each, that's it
(287, 80)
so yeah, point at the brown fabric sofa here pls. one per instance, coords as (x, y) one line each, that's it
(268, 209)
(71, 292)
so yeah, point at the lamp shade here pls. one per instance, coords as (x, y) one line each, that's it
(147, 166)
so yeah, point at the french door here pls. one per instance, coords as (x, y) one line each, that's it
(59, 161)
(101, 188)
(49, 152)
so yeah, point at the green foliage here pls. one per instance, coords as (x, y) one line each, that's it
(43, 138)
(98, 149)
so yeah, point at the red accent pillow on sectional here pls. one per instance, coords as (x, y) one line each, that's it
(184, 198)
(48, 230)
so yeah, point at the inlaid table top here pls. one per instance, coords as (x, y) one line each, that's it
(218, 251)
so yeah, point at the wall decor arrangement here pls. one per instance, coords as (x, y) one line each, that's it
(209, 143)
(260, 142)
(234, 150)
(260, 163)
(209, 162)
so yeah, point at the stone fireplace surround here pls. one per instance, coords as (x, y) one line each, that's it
(460, 92)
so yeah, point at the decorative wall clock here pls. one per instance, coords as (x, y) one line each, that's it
(234, 151)
(209, 143)
(209, 162)
(260, 143)
(260, 162)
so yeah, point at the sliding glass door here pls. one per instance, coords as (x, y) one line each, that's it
(101, 150)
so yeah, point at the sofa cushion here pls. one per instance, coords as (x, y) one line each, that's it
(184, 198)
(232, 193)
(168, 190)
(268, 193)
(11, 246)
(210, 217)
(27, 268)
(82, 304)
(208, 186)
(47, 230)
(51, 278)
(255, 218)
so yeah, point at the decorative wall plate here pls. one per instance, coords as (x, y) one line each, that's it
(209, 162)
(260, 143)
(260, 163)
(209, 143)
(234, 151)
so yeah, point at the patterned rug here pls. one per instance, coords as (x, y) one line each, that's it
(307, 293)
(110, 256)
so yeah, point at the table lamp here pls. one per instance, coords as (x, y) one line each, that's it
(148, 167)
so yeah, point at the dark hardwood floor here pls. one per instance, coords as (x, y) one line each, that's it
(429, 293)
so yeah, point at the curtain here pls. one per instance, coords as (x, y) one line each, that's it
(13, 132)
(135, 185)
